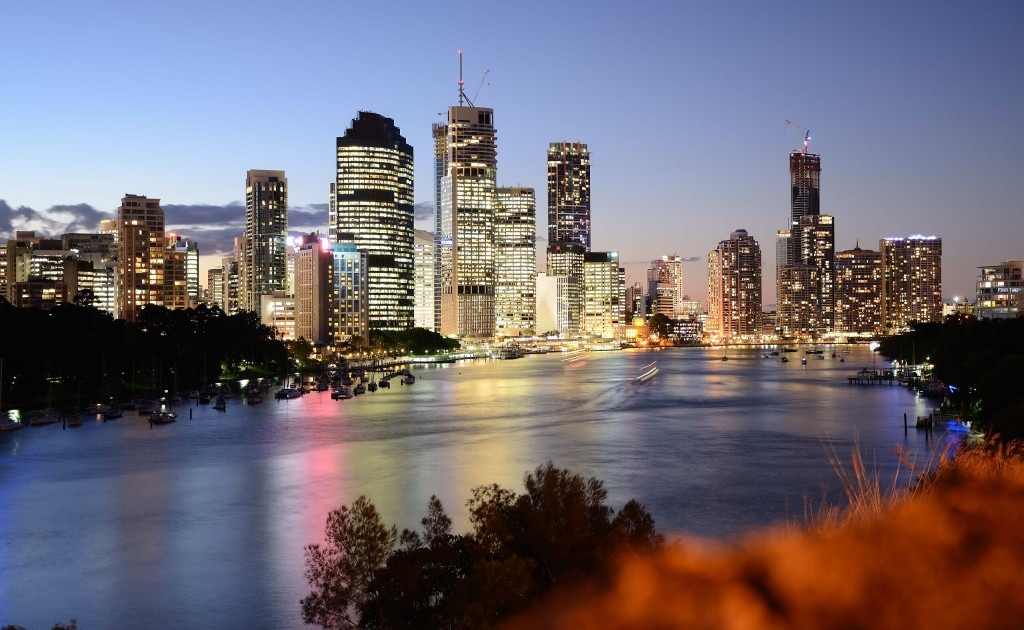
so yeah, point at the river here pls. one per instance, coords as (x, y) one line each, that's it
(202, 523)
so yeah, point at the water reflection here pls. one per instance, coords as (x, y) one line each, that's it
(203, 522)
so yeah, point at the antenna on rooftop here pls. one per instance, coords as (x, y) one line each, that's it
(462, 91)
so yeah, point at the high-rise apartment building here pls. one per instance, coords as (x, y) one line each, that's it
(263, 263)
(565, 260)
(569, 194)
(515, 262)
(141, 247)
(858, 292)
(423, 272)
(911, 281)
(665, 286)
(805, 196)
(604, 295)
(1001, 290)
(175, 275)
(556, 296)
(372, 207)
(466, 154)
(189, 249)
(734, 289)
(312, 290)
(215, 286)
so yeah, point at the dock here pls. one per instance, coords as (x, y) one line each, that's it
(872, 377)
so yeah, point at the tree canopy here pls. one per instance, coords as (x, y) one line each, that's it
(559, 533)
(982, 359)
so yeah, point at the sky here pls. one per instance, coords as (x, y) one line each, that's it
(914, 107)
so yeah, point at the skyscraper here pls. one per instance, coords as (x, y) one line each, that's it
(466, 167)
(604, 295)
(423, 265)
(1000, 290)
(911, 281)
(372, 207)
(734, 288)
(805, 196)
(141, 245)
(263, 265)
(569, 194)
(665, 286)
(515, 262)
(858, 291)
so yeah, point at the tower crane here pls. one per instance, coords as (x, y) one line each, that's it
(807, 132)
(481, 86)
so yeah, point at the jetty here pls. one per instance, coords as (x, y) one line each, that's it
(872, 377)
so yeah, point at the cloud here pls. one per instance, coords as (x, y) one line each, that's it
(53, 221)
(423, 211)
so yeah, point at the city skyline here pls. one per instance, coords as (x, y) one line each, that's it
(892, 105)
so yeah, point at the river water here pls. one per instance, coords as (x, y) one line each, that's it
(202, 523)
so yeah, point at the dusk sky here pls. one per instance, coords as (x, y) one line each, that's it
(914, 107)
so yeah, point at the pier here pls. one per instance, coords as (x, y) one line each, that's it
(872, 377)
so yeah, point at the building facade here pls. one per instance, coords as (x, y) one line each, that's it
(466, 168)
(141, 247)
(734, 289)
(372, 207)
(1000, 290)
(569, 194)
(911, 281)
(604, 295)
(423, 273)
(665, 286)
(858, 292)
(263, 264)
(515, 262)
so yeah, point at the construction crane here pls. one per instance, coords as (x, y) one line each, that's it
(807, 132)
(481, 86)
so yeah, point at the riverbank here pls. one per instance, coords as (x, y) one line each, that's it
(944, 556)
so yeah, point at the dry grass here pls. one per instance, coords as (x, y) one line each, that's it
(948, 554)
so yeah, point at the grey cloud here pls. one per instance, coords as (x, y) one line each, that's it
(53, 221)
(205, 214)
(423, 210)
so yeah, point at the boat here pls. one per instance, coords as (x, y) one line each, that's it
(287, 393)
(803, 360)
(789, 349)
(784, 359)
(193, 394)
(254, 398)
(359, 389)
(341, 393)
(46, 416)
(74, 420)
(205, 398)
(385, 383)
(648, 372)
(220, 404)
(371, 387)
(774, 353)
(508, 352)
(112, 414)
(163, 417)
(408, 379)
(812, 352)
(10, 425)
(820, 356)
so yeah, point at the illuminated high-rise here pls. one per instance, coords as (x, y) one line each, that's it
(805, 197)
(604, 295)
(569, 194)
(141, 246)
(372, 207)
(1001, 290)
(858, 292)
(515, 262)
(734, 289)
(263, 264)
(465, 169)
(665, 286)
(911, 281)
(423, 270)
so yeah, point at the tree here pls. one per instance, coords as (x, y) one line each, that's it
(559, 532)
(341, 570)
(661, 324)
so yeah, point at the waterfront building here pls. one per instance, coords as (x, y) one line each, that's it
(858, 292)
(423, 273)
(911, 281)
(734, 289)
(141, 248)
(783, 291)
(97, 247)
(665, 286)
(312, 289)
(215, 286)
(232, 277)
(277, 310)
(566, 260)
(569, 194)
(805, 198)
(556, 312)
(604, 295)
(466, 165)
(263, 266)
(372, 207)
(349, 310)
(515, 262)
(1000, 290)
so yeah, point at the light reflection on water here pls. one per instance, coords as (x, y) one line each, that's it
(202, 523)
